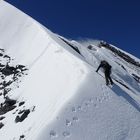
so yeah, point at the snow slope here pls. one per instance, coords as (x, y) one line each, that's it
(64, 97)
(51, 68)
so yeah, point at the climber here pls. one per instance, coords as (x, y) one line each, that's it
(107, 71)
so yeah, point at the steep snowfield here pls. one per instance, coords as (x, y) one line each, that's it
(97, 111)
(59, 95)
(54, 73)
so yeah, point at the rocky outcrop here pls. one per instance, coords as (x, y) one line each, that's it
(119, 53)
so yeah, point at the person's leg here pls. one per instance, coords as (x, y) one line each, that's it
(106, 78)
(110, 79)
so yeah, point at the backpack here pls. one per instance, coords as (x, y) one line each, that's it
(106, 65)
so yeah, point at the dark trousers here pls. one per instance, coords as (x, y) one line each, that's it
(108, 78)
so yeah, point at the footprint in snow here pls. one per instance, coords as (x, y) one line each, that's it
(91, 100)
(66, 134)
(68, 123)
(53, 134)
(95, 105)
(104, 98)
(97, 99)
(104, 88)
(87, 104)
(105, 91)
(79, 108)
(73, 109)
(75, 119)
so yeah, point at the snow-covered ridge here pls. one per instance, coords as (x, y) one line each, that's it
(60, 96)
(50, 67)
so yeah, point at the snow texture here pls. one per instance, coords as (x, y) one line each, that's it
(49, 89)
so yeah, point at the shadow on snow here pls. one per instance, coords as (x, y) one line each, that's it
(126, 96)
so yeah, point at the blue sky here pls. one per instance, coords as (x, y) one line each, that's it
(115, 21)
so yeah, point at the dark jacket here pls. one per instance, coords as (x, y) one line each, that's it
(105, 65)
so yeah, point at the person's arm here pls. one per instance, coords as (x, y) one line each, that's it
(98, 68)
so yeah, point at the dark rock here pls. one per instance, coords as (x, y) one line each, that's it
(2, 76)
(1, 118)
(21, 137)
(23, 116)
(71, 45)
(2, 50)
(90, 47)
(136, 77)
(123, 67)
(6, 56)
(5, 84)
(5, 91)
(33, 109)
(21, 103)
(9, 102)
(1, 65)
(6, 109)
(21, 67)
(21, 111)
(7, 106)
(8, 70)
(121, 54)
(15, 78)
(1, 54)
(1, 125)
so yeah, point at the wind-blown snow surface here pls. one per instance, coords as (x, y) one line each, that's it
(67, 99)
